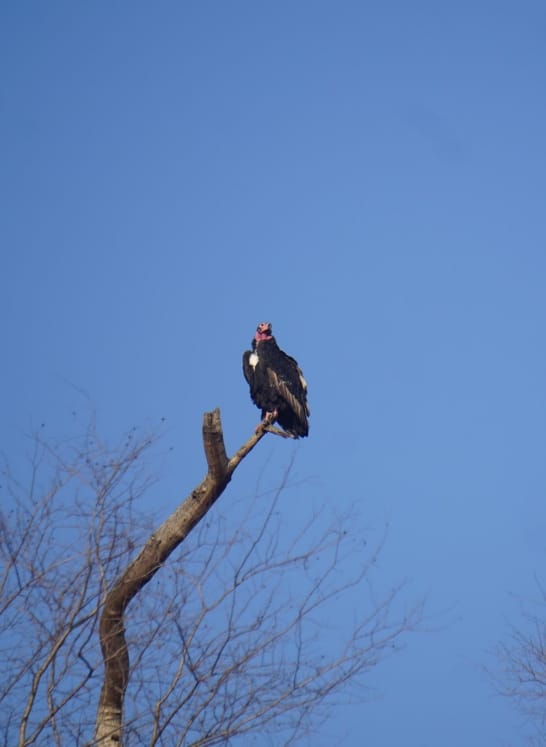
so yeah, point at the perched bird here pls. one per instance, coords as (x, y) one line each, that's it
(276, 383)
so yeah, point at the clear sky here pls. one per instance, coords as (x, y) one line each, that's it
(369, 176)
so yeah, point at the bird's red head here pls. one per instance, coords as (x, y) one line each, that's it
(264, 331)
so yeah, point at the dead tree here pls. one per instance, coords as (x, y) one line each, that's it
(152, 556)
(227, 640)
(522, 660)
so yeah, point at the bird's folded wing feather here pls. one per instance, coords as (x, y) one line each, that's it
(285, 393)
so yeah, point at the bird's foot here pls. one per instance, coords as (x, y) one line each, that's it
(268, 419)
(267, 425)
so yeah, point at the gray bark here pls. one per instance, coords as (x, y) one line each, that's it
(161, 543)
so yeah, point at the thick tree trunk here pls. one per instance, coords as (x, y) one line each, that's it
(109, 724)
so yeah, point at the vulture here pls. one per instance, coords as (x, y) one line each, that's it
(276, 383)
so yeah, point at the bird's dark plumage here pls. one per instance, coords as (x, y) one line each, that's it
(276, 383)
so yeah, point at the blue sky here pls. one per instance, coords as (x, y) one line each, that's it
(369, 176)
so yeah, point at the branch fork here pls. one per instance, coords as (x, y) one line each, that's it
(220, 468)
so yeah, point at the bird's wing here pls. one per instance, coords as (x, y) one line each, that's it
(247, 368)
(285, 393)
(301, 378)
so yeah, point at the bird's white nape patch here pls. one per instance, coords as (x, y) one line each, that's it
(253, 360)
(303, 382)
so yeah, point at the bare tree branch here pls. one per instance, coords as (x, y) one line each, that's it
(139, 572)
(522, 659)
